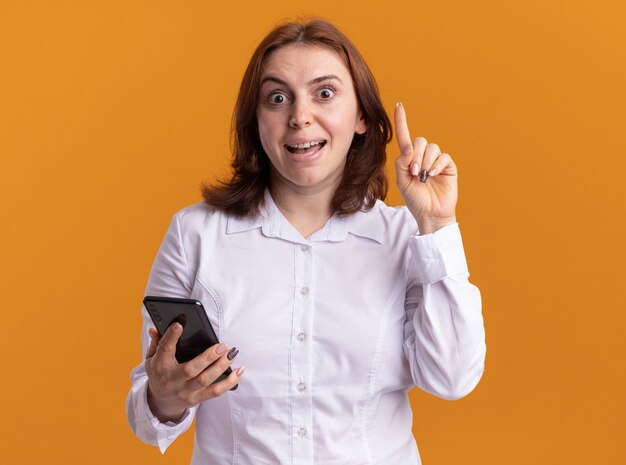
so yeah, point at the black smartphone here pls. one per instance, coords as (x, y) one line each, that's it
(198, 334)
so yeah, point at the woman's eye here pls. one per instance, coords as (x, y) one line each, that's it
(327, 93)
(276, 98)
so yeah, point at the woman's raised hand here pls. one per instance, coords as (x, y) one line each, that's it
(433, 202)
(174, 387)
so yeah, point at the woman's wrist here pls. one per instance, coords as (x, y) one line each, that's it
(163, 412)
(431, 225)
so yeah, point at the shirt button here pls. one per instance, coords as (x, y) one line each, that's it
(304, 290)
(304, 248)
(301, 387)
(302, 431)
(300, 337)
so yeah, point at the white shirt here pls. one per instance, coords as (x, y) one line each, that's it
(333, 330)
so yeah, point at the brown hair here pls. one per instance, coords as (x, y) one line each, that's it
(364, 180)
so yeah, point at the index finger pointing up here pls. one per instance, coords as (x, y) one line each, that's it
(403, 136)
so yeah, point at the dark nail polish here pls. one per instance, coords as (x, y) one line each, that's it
(232, 353)
(423, 175)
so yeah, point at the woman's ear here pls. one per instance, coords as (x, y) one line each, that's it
(361, 127)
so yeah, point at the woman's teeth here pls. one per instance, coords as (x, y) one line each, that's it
(304, 146)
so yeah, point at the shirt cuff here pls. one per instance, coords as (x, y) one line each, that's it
(165, 433)
(438, 255)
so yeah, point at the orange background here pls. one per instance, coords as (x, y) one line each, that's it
(113, 112)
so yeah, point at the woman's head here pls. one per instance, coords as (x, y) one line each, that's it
(363, 179)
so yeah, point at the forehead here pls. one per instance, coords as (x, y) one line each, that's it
(304, 60)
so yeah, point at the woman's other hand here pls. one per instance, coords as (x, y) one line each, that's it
(174, 387)
(433, 202)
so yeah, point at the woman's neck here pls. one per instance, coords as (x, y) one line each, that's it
(307, 210)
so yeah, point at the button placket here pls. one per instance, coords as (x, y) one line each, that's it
(301, 401)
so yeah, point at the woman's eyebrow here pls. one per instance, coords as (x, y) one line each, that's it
(273, 79)
(325, 78)
(317, 80)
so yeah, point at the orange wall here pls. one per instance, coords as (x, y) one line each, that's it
(113, 112)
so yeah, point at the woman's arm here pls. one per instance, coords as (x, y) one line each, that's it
(444, 332)
(164, 394)
(444, 337)
(170, 277)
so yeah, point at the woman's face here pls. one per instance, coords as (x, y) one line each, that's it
(307, 115)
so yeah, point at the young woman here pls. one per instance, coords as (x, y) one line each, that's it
(338, 304)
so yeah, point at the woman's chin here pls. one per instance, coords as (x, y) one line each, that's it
(313, 182)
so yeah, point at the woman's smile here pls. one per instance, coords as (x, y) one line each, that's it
(305, 151)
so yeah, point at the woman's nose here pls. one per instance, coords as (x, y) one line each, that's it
(301, 115)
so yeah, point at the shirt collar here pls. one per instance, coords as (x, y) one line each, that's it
(369, 225)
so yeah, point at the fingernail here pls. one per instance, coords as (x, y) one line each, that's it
(240, 371)
(232, 353)
(423, 175)
(177, 327)
(399, 104)
(220, 349)
(432, 172)
(415, 169)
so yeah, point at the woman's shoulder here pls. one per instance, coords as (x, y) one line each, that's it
(390, 220)
(198, 216)
(394, 215)
(195, 210)
(398, 212)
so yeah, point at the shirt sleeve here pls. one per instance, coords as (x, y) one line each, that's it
(444, 337)
(143, 423)
(169, 277)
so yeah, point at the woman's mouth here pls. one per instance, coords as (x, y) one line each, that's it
(306, 148)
